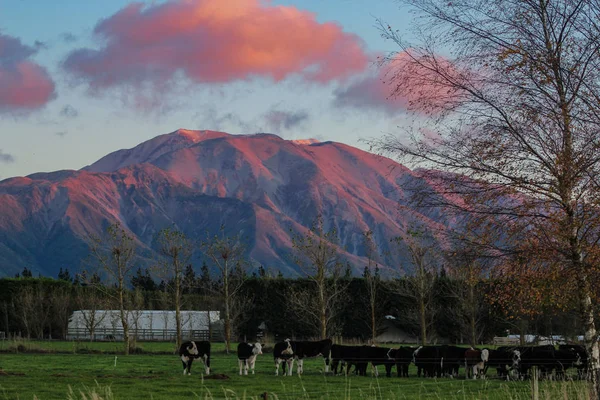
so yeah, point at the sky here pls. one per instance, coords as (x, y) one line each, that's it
(81, 79)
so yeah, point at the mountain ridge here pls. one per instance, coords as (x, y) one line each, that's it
(261, 186)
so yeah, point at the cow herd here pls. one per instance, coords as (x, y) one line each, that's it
(430, 361)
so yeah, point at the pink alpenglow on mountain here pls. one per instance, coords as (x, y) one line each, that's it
(258, 186)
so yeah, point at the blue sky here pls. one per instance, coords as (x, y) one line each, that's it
(85, 118)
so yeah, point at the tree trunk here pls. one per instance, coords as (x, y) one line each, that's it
(124, 319)
(227, 325)
(423, 320)
(472, 316)
(178, 339)
(373, 323)
(323, 310)
(590, 337)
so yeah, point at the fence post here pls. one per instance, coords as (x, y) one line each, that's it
(535, 390)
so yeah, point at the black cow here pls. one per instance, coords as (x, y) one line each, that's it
(344, 356)
(404, 356)
(376, 356)
(188, 351)
(283, 352)
(451, 358)
(247, 354)
(428, 361)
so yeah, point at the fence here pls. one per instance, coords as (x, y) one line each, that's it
(113, 334)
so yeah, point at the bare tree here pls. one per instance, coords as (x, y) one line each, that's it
(420, 286)
(228, 256)
(176, 250)
(516, 98)
(91, 302)
(317, 256)
(466, 268)
(373, 282)
(61, 304)
(114, 256)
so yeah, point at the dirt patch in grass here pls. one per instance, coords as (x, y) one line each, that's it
(216, 376)
(6, 373)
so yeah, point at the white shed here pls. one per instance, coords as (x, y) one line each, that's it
(143, 324)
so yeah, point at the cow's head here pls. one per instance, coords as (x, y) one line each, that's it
(415, 353)
(192, 349)
(257, 348)
(516, 358)
(577, 362)
(485, 355)
(288, 350)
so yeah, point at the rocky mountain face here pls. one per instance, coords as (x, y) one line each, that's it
(260, 186)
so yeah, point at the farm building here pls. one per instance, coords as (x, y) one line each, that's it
(144, 325)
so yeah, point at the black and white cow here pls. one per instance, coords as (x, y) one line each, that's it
(505, 360)
(301, 350)
(581, 358)
(307, 349)
(188, 351)
(283, 352)
(247, 354)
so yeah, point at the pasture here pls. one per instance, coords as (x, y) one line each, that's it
(79, 370)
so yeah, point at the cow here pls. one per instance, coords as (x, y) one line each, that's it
(542, 357)
(404, 356)
(582, 358)
(283, 352)
(451, 358)
(190, 350)
(376, 356)
(475, 362)
(428, 361)
(305, 349)
(247, 354)
(505, 360)
(344, 355)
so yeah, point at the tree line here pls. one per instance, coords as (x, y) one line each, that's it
(40, 307)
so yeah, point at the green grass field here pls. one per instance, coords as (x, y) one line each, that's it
(72, 370)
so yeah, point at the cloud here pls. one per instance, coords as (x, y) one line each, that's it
(210, 118)
(207, 42)
(61, 133)
(278, 120)
(69, 111)
(40, 45)
(68, 37)
(6, 158)
(371, 93)
(400, 85)
(24, 85)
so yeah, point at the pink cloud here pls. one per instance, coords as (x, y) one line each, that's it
(213, 41)
(24, 85)
(400, 85)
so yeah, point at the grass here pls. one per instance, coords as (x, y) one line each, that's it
(66, 371)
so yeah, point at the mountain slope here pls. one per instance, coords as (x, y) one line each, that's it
(260, 186)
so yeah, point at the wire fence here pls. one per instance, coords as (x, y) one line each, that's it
(115, 334)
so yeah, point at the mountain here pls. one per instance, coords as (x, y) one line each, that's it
(260, 186)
